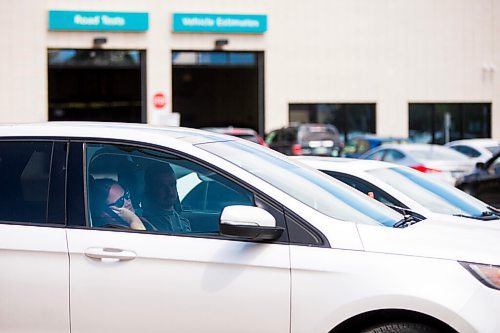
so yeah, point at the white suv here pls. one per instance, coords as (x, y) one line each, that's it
(261, 244)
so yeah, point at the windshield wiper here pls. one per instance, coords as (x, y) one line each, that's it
(407, 212)
(409, 216)
(490, 215)
(484, 216)
(406, 221)
(494, 210)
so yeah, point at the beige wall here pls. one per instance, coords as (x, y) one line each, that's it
(388, 52)
(23, 94)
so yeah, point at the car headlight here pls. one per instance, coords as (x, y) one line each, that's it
(489, 275)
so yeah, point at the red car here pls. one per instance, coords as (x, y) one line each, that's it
(243, 133)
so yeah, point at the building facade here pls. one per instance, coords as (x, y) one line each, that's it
(428, 69)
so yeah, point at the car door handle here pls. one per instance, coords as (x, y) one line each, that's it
(109, 253)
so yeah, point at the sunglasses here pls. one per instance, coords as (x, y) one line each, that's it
(121, 200)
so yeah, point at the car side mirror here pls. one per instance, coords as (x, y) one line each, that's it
(248, 222)
(480, 165)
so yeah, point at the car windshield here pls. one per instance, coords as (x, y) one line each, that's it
(496, 163)
(309, 186)
(437, 197)
(494, 149)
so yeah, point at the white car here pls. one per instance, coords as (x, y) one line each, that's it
(272, 246)
(479, 150)
(442, 163)
(403, 188)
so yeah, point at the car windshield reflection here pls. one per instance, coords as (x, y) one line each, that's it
(311, 187)
(439, 198)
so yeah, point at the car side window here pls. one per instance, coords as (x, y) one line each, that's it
(24, 175)
(272, 137)
(362, 146)
(393, 155)
(471, 152)
(143, 189)
(377, 156)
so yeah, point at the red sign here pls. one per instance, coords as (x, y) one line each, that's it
(159, 100)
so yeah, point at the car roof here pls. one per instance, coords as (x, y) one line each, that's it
(342, 164)
(306, 125)
(377, 137)
(124, 131)
(480, 142)
(419, 152)
(231, 130)
(412, 146)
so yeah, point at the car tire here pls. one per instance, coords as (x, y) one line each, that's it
(401, 327)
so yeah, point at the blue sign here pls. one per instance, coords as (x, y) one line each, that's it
(222, 23)
(98, 21)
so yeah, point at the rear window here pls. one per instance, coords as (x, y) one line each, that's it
(317, 133)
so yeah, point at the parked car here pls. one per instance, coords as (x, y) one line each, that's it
(480, 150)
(363, 143)
(306, 139)
(442, 163)
(402, 188)
(243, 133)
(484, 181)
(272, 246)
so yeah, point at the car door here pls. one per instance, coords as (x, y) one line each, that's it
(34, 289)
(160, 280)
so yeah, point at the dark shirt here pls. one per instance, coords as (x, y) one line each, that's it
(165, 219)
(108, 219)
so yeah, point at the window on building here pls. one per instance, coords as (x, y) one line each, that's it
(350, 119)
(94, 58)
(192, 58)
(444, 122)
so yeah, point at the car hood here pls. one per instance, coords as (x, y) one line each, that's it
(445, 238)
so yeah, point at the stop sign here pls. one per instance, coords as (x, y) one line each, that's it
(159, 100)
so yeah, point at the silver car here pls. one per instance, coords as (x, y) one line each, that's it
(441, 162)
